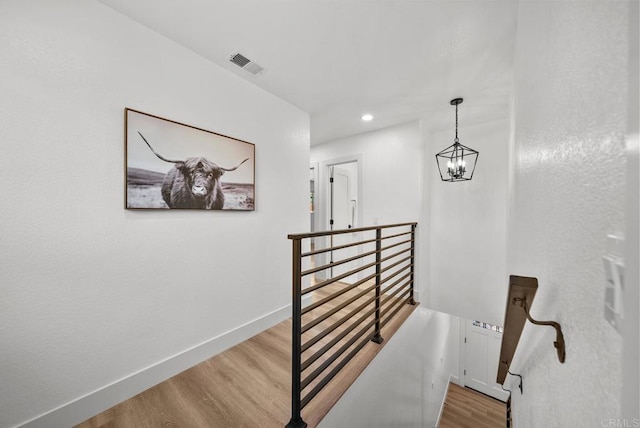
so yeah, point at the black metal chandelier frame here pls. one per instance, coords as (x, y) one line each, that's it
(453, 161)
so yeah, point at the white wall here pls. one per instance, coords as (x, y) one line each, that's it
(391, 185)
(92, 293)
(406, 382)
(391, 171)
(468, 226)
(570, 121)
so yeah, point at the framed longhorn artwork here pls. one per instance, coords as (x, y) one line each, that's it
(170, 165)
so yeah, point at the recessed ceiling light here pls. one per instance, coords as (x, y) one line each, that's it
(367, 117)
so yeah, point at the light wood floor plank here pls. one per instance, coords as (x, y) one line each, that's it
(466, 408)
(246, 386)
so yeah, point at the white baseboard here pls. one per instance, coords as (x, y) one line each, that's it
(85, 407)
(452, 379)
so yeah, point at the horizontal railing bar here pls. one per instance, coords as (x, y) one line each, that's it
(348, 344)
(340, 365)
(332, 374)
(353, 244)
(322, 367)
(395, 284)
(338, 338)
(341, 292)
(348, 330)
(339, 247)
(394, 264)
(333, 281)
(344, 275)
(338, 263)
(335, 325)
(396, 244)
(328, 314)
(336, 278)
(362, 281)
(343, 231)
(352, 272)
(397, 263)
(356, 257)
(393, 295)
(396, 235)
(395, 311)
(389, 257)
(329, 298)
(400, 270)
(341, 306)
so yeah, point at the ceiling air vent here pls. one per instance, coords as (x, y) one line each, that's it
(245, 63)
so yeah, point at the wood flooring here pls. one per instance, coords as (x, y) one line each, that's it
(246, 386)
(466, 408)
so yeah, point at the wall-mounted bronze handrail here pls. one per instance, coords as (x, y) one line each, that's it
(559, 343)
(514, 320)
(521, 293)
(512, 374)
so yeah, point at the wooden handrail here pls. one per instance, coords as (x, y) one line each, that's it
(520, 287)
(341, 231)
(522, 291)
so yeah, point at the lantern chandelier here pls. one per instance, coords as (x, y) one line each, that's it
(453, 162)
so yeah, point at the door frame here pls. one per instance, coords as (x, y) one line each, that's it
(315, 167)
(324, 193)
(464, 323)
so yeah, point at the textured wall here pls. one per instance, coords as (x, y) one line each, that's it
(631, 326)
(570, 120)
(90, 292)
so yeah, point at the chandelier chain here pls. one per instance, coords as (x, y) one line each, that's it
(456, 140)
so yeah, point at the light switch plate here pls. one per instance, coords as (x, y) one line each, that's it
(614, 281)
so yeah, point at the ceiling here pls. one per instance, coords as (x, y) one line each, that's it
(400, 60)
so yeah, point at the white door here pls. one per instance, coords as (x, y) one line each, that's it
(342, 216)
(482, 355)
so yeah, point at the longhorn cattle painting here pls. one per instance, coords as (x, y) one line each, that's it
(177, 166)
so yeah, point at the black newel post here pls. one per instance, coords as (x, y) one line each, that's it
(412, 301)
(296, 333)
(376, 337)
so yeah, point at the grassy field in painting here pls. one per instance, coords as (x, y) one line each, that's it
(144, 191)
